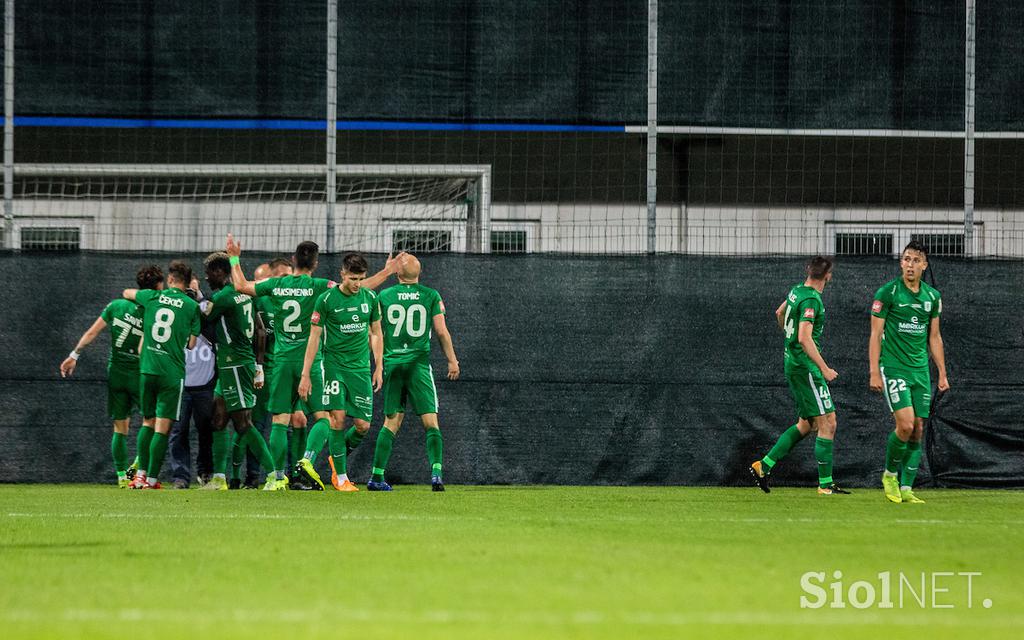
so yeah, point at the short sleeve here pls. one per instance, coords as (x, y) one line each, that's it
(266, 287)
(321, 285)
(108, 313)
(882, 301)
(810, 310)
(937, 307)
(217, 304)
(145, 296)
(375, 309)
(318, 309)
(437, 306)
(196, 326)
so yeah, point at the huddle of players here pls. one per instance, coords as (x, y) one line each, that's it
(319, 361)
(904, 329)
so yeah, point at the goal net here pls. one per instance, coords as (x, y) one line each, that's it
(191, 208)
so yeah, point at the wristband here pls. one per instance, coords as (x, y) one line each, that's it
(74, 355)
(233, 260)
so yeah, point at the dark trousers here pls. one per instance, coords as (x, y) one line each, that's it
(197, 407)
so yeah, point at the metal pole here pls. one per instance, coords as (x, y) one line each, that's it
(332, 118)
(9, 124)
(652, 125)
(969, 133)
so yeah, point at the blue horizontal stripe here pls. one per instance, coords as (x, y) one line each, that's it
(303, 125)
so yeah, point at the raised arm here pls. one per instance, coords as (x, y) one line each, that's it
(445, 338)
(875, 352)
(807, 342)
(938, 353)
(68, 366)
(305, 384)
(234, 250)
(390, 267)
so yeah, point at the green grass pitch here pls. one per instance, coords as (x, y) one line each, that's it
(502, 562)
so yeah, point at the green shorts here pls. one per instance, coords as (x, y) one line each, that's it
(811, 393)
(122, 393)
(409, 383)
(348, 391)
(284, 388)
(161, 395)
(907, 388)
(235, 385)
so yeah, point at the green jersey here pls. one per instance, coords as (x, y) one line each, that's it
(908, 317)
(124, 318)
(232, 315)
(265, 309)
(293, 299)
(803, 304)
(408, 312)
(345, 319)
(169, 318)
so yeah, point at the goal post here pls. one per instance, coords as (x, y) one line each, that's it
(168, 208)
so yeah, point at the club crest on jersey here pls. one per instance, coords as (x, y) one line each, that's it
(365, 307)
(876, 307)
(315, 317)
(927, 305)
(809, 312)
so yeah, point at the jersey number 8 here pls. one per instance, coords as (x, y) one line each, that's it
(162, 325)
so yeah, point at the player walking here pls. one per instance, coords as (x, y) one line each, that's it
(904, 328)
(802, 318)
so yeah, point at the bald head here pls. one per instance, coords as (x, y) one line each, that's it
(262, 272)
(409, 270)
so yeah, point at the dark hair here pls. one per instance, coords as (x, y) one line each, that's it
(180, 270)
(149, 276)
(914, 245)
(818, 267)
(354, 263)
(306, 255)
(217, 261)
(280, 262)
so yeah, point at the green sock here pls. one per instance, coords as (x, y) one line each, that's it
(336, 444)
(157, 451)
(142, 444)
(221, 443)
(911, 461)
(894, 452)
(823, 454)
(119, 450)
(316, 439)
(237, 456)
(353, 438)
(253, 439)
(279, 445)
(434, 450)
(296, 445)
(789, 437)
(381, 453)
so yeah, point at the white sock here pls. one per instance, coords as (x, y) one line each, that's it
(279, 475)
(220, 476)
(890, 474)
(342, 478)
(151, 481)
(904, 488)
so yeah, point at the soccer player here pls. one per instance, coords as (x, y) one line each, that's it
(346, 324)
(904, 328)
(407, 309)
(801, 316)
(125, 321)
(239, 373)
(170, 324)
(293, 297)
